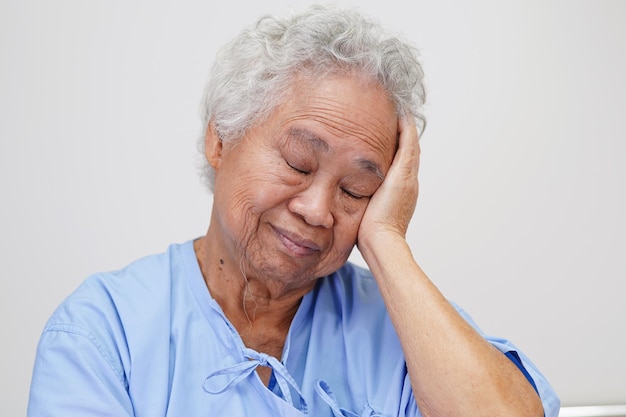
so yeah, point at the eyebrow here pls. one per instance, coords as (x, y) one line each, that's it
(372, 167)
(321, 145)
(307, 136)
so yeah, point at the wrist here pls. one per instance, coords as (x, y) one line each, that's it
(382, 246)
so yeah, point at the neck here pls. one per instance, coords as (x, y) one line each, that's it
(261, 309)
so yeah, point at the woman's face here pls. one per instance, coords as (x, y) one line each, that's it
(290, 195)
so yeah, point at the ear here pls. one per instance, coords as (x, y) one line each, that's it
(212, 147)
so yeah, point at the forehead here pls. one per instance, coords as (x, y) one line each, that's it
(339, 110)
(308, 140)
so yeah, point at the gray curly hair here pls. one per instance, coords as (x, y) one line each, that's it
(254, 71)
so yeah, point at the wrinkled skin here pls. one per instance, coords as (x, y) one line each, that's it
(290, 196)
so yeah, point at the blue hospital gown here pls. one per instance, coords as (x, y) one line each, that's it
(149, 341)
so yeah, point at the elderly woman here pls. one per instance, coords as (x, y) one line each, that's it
(311, 147)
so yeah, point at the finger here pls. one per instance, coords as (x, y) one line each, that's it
(408, 153)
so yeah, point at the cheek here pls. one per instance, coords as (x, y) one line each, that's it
(345, 235)
(236, 203)
(352, 210)
(342, 247)
(249, 198)
(250, 182)
(236, 215)
(243, 205)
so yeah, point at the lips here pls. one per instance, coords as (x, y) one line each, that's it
(295, 244)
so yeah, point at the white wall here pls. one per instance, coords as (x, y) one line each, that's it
(522, 194)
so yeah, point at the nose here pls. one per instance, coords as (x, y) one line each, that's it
(314, 205)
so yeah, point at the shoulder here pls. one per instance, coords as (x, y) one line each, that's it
(109, 301)
(111, 330)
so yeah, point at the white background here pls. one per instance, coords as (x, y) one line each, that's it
(520, 218)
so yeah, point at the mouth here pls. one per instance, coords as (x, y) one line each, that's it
(296, 245)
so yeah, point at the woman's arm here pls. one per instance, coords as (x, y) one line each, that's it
(454, 371)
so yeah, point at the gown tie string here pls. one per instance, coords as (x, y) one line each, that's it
(223, 379)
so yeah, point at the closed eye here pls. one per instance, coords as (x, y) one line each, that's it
(300, 170)
(353, 195)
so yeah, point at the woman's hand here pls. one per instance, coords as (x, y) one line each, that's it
(391, 207)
